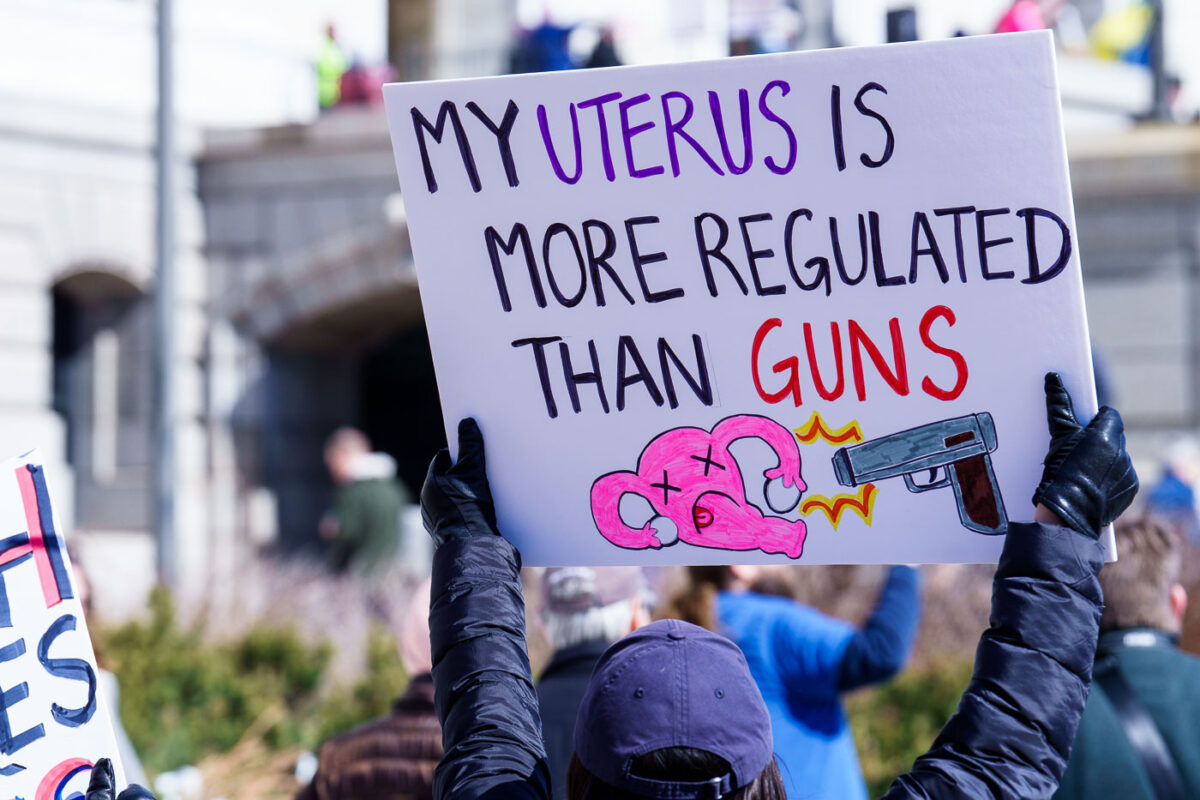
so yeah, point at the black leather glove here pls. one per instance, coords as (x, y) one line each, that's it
(456, 500)
(1088, 478)
(101, 785)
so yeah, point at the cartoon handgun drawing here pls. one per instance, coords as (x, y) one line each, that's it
(953, 451)
(695, 487)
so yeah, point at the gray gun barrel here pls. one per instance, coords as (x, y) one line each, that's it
(925, 448)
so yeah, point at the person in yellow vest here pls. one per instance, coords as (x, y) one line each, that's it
(331, 65)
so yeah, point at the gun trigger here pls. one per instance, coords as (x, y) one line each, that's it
(935, 482)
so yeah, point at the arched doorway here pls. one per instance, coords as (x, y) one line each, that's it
(103, 390)
(398, 402)
(364, 364)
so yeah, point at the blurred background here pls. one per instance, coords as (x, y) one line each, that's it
(185, 325)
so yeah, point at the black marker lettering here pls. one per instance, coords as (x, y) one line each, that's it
(707, 253)
(502, 131)
(753, 256)
(640, 261)
(890, 143)
(538, 344)
(495, 243)
(448, 111)
(600, 262)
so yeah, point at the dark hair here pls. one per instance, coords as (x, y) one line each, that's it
(679, 764)
(1137, 587)
(696, 602)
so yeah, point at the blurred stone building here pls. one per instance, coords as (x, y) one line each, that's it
(298, 309)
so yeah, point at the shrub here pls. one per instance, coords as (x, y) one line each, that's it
(184, 697)
(371, 695)
(896, 722)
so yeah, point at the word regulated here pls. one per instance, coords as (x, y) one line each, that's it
(772, 255)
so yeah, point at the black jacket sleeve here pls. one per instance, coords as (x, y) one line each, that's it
(1012, 733)
(484, 695)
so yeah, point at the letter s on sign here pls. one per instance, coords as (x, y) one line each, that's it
(960, 363)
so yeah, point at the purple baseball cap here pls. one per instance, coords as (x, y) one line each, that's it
(673, 684)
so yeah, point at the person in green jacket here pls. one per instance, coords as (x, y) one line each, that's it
(331, 65)
(1144, 607)
(363, 528)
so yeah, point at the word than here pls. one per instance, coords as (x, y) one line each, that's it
(656, 372)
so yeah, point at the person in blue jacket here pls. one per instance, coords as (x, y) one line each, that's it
(652, 727)
(802, 660)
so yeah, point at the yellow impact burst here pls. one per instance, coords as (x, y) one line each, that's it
(861, 503)
(816, 429)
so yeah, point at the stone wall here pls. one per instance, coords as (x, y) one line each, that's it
(77, 236)
(1137, 204)
(310, 267)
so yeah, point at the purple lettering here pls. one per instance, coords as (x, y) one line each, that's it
(554, 162)
(676, 129)
(627, 134)
(714, 105)
(605, 152)
(765, 110)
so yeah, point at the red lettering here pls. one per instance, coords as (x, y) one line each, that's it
(893, 370)
(896, 377)
(960, 363)
(836, 337)
(790, 364)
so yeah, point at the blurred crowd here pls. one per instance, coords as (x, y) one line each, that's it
(1128, 32)
(803, 656)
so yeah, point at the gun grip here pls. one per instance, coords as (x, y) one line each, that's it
(979, 503)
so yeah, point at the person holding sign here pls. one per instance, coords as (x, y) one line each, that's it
(802, 661)
(672, 710)
(1138, 738)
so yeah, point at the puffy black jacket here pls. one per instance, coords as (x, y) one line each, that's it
(1010, 737)
(483, 687)
(1012, 733)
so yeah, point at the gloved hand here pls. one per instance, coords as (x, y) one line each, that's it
(1088, 478)
(456, 500)
(101, 785)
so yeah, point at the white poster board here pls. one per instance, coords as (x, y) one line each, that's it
(53, 724)
(788, 308)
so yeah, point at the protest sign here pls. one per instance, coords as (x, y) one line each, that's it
(53, 725)
(788, 308)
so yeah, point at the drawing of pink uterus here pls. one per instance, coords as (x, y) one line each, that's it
(694, 485)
